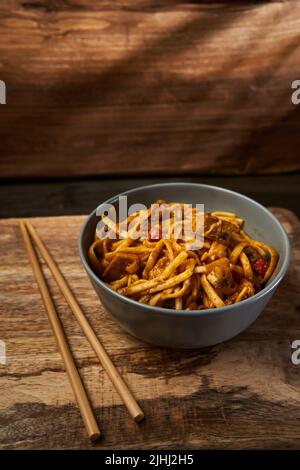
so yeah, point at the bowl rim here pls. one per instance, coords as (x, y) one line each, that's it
(206, 312)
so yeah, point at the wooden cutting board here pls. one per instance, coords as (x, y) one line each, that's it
(241, 394)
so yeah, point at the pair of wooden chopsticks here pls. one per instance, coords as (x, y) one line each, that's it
(74, 377)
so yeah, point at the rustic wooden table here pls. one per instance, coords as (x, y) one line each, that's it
(241, 394)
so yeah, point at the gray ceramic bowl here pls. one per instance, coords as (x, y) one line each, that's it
(192, 329)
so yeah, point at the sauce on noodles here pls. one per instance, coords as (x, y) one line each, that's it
(228, 268)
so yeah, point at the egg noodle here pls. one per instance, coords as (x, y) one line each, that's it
(227, 268)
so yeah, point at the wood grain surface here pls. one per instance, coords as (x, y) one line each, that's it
(244, 393)
(110, 87)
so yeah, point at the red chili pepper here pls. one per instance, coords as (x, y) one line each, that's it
(261, 266)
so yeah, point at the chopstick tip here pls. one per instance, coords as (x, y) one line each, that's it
(95, 436)
(139, 417)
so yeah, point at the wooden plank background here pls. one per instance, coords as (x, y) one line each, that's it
(244, 393)
(106, 87)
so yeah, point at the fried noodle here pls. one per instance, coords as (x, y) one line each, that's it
(228, 268)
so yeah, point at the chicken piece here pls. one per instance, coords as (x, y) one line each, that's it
(218, 229)
(221, 280)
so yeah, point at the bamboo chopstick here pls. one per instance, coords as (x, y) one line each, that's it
(121, 387)
(74, 377)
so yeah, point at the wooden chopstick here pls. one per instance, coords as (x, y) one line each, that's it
(74, 377)
(119, 384)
